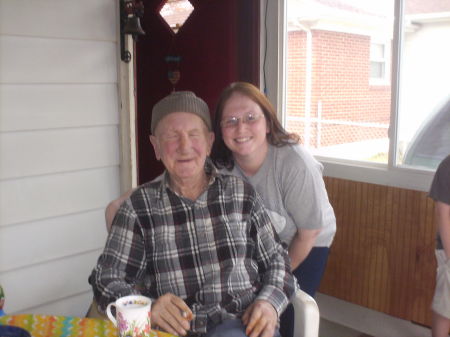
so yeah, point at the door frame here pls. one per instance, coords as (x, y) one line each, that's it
(127, 118)
(274, 85)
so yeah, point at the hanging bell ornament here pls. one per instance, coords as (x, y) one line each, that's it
(133, 26)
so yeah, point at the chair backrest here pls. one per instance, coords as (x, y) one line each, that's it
(307, 316)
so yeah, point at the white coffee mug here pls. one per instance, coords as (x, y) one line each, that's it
(132, 316)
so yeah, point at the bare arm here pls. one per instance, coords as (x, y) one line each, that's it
(442, 212)
(301, 245)
(113, 207)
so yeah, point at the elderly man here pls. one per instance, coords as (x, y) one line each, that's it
(203, 240)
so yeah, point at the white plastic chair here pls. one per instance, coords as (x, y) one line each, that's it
(307, 316)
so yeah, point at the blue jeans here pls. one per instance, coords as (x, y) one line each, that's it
(230, 328)
(309, 274)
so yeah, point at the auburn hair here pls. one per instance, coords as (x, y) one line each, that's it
(277, 135)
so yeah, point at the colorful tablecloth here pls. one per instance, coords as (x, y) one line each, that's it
(63, 326)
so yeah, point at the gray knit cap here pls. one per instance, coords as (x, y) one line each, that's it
(180, 101)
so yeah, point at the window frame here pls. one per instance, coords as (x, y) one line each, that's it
(273, 51)
(384, 60)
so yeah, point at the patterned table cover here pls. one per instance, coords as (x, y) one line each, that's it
(64, 326)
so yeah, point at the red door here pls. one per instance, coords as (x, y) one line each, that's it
(218, 44)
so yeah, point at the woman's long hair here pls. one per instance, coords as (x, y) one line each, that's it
(277, 136)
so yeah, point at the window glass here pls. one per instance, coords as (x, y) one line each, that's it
(423, 137)
(377, 70)
(333, 54)
(338, 80)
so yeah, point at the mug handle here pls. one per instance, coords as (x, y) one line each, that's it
(110, 315)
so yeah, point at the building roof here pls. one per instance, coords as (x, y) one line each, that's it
(373, 7)
(427, 6)
(362, 16)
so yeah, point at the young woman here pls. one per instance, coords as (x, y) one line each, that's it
(252, 144)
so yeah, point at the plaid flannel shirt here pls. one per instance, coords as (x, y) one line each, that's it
(219, 253)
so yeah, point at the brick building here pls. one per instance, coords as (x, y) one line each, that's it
(331, 99)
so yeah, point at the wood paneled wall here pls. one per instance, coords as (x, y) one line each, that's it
(383, 253)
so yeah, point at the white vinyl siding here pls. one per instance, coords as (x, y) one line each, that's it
(59, 149)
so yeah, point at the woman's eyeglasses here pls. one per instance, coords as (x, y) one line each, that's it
(233, 122)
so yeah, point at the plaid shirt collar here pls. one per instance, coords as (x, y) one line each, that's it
(211, 172)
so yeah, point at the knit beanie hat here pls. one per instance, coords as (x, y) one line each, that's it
(180, 101)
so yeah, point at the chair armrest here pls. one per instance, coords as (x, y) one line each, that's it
(307, 316)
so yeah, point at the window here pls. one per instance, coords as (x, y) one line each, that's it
(340, 96)
(331, 58)
(379, 63)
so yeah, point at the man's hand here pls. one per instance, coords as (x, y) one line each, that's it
(261, 319)
(170, 313)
